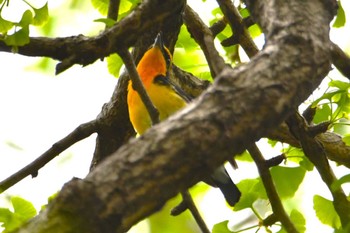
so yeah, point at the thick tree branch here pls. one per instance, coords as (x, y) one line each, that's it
(138, 179)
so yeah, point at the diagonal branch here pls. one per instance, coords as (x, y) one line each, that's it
(138, 86)
(340, 60)
(271, 191)
(203, 36)
(81, 132)
(241, 34)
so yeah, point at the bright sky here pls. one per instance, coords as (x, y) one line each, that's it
(38, 109)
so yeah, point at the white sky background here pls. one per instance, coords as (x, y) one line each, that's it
(38, 109)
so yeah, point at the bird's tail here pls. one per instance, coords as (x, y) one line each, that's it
(222, 180)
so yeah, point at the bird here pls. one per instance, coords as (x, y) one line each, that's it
(153, 69)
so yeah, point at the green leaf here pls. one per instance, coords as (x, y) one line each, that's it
(217, 12)
(221, 227)
(9, 220)
(341, 18)
(299, 221)
(107, 21)
(244, 12)
(325, 212)
(114, 63)
(346, 139)
(252, 190)
(323, 113)
(5, 25)
(13, 145)
(5, 215)
(23, 208)
(343, 102)
(41, 15)
(287, 180)
(185, 41)
(163, 222)
(343, 126)
(339, 84)
(254, 30)
(101, 6)
(245, 156)
(27, 18)
(297, 155)
(306, 164)
(19, 38)
(327, 96)
(126, 6)
(337, 184)
(23, 211)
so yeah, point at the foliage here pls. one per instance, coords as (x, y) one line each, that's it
(333, 106)
(16, 33)
(325, 212)
(23, 210)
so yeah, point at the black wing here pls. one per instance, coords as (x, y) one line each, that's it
(163, 80)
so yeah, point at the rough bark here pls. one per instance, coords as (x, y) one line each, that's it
(241, 106)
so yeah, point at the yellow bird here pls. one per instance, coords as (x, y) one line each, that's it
(168, 98)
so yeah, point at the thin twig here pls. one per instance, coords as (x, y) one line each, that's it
(81, 132)
(340, 60)
(316, 154)
(271, 191)
(237, 25)
(187, 199)
(138, 86)
(113, 9)
(203, 36)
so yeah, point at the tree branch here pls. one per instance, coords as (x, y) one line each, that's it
(340, 60)
(271, 191)
(333, 145)
(81, 132)
(113, 9)
(116, 128)
(314, 151)
(238, 27)
(138, 86)
(203, 36)
(138, 179)
(189, 204)
(86, 50)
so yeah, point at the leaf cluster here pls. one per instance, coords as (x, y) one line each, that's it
(23, 210)
(16, 33)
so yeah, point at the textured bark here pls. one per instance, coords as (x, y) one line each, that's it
(241, 106)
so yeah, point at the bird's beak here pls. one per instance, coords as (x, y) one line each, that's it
(159, 41)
